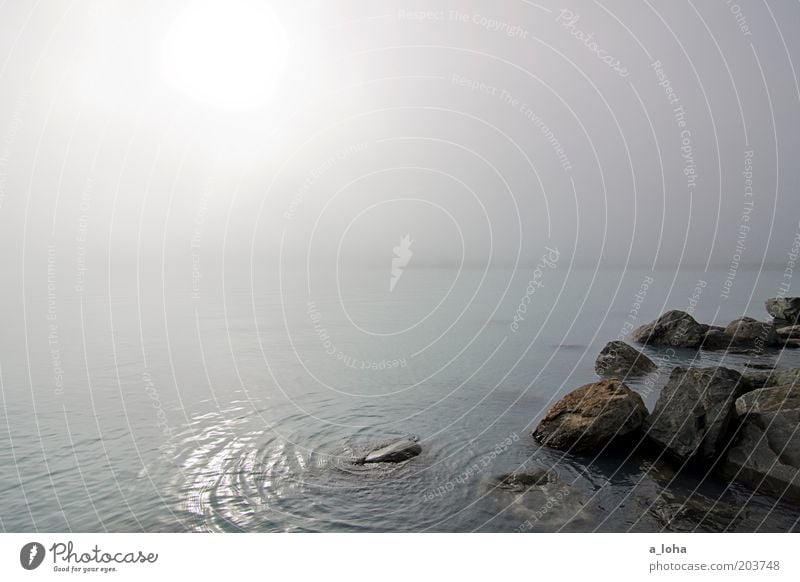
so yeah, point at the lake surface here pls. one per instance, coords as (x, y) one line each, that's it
(138, 406)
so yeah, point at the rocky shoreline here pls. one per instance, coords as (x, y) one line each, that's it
(741, 426)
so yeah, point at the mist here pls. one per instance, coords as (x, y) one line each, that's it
(348, 266)
(652, 135)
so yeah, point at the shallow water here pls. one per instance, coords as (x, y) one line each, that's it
(242, 410)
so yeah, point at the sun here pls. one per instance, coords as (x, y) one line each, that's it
(226, 53)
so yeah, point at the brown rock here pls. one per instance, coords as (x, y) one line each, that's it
(592, 417)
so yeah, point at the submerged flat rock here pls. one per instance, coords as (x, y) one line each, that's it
(522, 480)
(395, 452)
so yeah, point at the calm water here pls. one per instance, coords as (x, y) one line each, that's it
(240, 410)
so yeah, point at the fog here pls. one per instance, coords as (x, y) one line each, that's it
(247, 244)
(277, 136)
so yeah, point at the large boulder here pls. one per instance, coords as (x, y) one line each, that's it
(766, 456)
(767, 400)
(693, 414)
(716, 339)
(592, 417)
(784, 309)
(771, 378)
(620, 359)
(675, 329)
(747, 331)
(743, 335)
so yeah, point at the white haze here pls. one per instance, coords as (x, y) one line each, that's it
(358, 123)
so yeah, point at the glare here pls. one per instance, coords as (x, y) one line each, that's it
(228, 54)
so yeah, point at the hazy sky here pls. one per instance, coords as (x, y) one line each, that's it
(657, 132)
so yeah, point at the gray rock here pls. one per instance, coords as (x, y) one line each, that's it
(618, 358)
(592, 417)
(743, 335)
(395, 452)
(767, 400)
(694, 411)
(747, 331)
(716, 339)
(756, 380)
(789, 332)
(674, 329)
(784, 309)
(766, 456)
